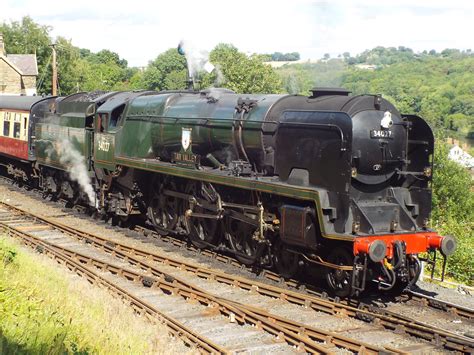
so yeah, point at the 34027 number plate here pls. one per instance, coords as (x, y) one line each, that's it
(378, 133)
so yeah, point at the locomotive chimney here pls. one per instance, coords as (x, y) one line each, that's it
(2, 46)
(323, 91)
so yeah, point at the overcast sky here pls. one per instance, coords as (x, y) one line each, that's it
(138, 30)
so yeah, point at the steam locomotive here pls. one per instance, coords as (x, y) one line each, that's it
(285, 181)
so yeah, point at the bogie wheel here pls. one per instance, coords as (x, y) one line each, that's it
(240, 238)
(339, 281)
(202, 232)
(163, 210)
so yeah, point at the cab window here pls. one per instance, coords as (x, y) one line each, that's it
(116, 116)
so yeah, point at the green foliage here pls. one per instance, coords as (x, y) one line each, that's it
(166, 72)
(45, 311)
(78, 69)
(453, 188)
(460, 265)
(282, 57)
(300, 78)
(7, 253)
(453, 211)
(436, 86)
(28, 37)
(438, 89)
(28, 326)
(241, 73)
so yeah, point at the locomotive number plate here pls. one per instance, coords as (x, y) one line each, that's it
(378, 133)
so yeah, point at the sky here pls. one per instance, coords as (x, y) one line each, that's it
(139, 30)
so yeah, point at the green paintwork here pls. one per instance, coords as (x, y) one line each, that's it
(50, 136)
(104, 148)
(152, 130)
(153, 124)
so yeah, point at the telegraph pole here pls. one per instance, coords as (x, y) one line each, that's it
(54, 83)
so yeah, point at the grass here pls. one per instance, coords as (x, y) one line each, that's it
(46, 310)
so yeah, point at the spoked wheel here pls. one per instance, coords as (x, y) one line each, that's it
(339, 281)
(163, 210)
(201, 231)
(286, 262)
(240, 238)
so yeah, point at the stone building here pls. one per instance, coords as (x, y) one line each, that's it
(18, 72)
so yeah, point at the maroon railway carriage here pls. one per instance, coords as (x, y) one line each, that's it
(17, 127)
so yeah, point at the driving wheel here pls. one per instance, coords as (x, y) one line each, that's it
(202, 232)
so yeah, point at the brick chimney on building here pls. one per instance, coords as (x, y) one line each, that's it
(2, 46)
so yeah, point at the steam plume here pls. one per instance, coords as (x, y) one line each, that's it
(77, 169)
(198, 61)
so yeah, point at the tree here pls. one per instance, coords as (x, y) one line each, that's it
(241, 73)
(453, 210)
(166, 72)
(280, 57)
(28, 37)
(106, 56)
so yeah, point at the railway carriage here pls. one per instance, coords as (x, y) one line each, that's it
(17, 134)
(334, 180)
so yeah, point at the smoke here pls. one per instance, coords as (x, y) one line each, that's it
(198, 61)
(220, 78)
(77, 168)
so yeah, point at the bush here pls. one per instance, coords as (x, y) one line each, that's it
(460, 265)
(453, 211)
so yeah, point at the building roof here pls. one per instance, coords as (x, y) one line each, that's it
(25, 62)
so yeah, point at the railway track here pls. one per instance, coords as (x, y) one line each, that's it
(407, 296)
(289, 331)
(428, 301)
(140, 306)
(301, 337)
(421, 299)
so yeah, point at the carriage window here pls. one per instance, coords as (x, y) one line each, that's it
(24, 131)
(16, 129)
(17, 126)
(6, 128)
(6, 125)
